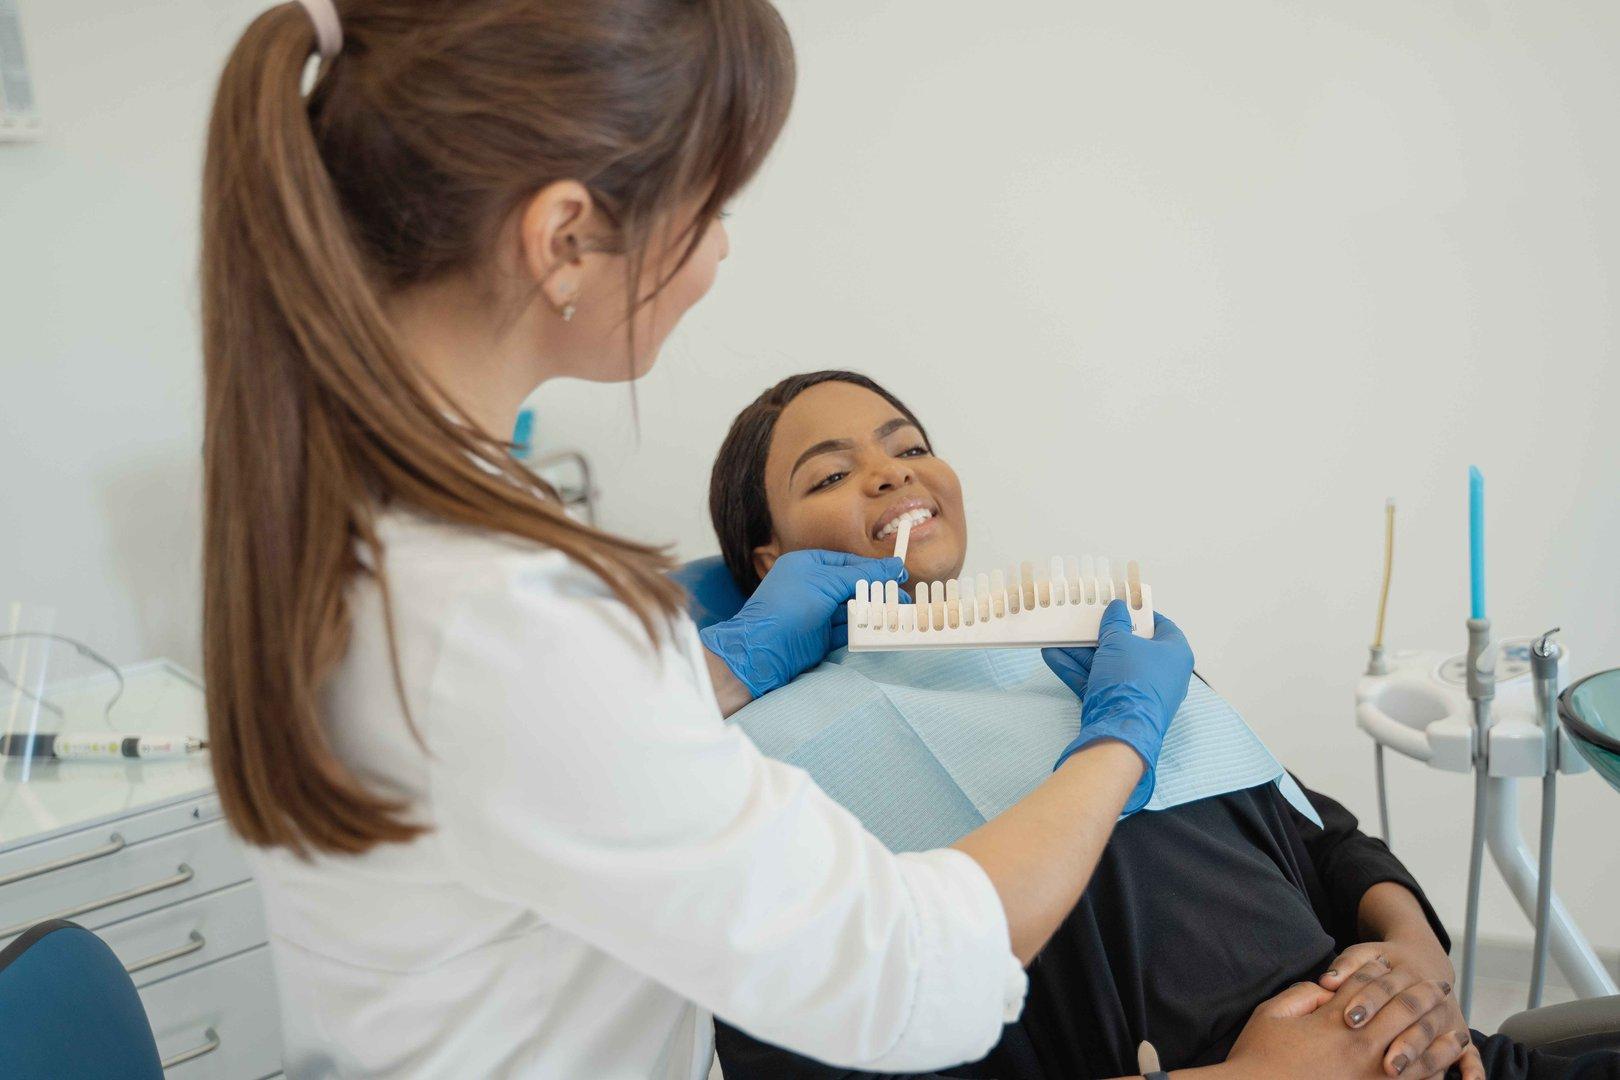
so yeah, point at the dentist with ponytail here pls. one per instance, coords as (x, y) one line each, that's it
(477, 750)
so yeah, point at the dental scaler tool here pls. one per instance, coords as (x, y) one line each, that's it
(1022, 608)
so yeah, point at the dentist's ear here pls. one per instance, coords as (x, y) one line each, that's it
(765, 557)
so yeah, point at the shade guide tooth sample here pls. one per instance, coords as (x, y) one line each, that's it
(902, 538)
(1061, 604)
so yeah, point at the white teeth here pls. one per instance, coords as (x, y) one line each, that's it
(916, 517)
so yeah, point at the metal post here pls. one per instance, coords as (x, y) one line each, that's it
(1481, 690)
(1544, 657)
(1383, 792)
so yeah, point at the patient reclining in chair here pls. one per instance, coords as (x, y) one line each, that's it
(1230, 885)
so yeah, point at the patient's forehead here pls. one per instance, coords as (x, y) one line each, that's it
(829, 410)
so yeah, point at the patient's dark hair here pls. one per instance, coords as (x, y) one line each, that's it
(737, 505)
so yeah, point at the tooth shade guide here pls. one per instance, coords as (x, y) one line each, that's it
(1060, 606)
(902, 537)
(863, 603)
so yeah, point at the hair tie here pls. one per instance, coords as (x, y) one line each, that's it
(328, 30)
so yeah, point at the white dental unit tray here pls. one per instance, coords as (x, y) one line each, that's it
(1421, 709)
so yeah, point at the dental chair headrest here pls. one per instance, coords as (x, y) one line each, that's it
(714, 596)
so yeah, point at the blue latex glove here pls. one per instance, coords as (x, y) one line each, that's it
(796, 616)
(1129, 688)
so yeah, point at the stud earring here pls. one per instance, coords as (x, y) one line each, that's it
(568, 311)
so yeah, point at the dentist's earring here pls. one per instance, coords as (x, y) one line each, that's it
(570, 302)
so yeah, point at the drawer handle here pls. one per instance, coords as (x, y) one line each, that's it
(193, 943)
(194, 1053)
(115, 843)
(184, 875)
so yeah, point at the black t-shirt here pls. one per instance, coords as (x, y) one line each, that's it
(1193, 917)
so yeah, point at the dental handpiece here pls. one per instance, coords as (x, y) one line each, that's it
(78, 746)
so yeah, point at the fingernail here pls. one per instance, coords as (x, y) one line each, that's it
(1399, 1063)
(1357, 1015)
(1331, 972)
(1445, 987)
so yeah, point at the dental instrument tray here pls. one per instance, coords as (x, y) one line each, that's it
(1021, 608)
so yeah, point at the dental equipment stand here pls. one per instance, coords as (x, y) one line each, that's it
(1421, 709)
(1459, 714)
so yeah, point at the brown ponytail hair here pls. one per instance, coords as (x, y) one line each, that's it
(421, 138)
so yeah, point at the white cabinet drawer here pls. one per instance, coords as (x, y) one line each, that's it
(27, 859)
(188, 934)
(138, 877)
(227, 1009)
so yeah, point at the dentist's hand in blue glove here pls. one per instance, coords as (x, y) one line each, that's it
(1129, 688)
(795, 617)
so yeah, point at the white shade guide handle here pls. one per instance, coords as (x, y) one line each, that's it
(863, 601)
(981, 594)
(1133, 580)
(902, 539)
(998, 594)
(953, 603)
(891, 604)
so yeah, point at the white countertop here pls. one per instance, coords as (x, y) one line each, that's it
(60, 796)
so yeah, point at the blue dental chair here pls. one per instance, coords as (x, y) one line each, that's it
(70, 1009)
(715, 596)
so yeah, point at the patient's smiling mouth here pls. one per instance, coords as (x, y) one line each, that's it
(917, 511)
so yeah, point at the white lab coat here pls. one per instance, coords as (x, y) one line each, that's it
(608, 862)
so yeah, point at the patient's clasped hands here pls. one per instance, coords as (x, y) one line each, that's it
(1129, 688)
(1302, 1033)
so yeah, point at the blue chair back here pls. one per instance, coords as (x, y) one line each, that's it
(70, 1009)
(714, 596)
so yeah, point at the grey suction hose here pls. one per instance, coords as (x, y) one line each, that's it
(1481, 690)
(1544, 657)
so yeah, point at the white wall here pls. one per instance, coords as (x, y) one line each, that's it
(1198, 283)
(100, 375)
